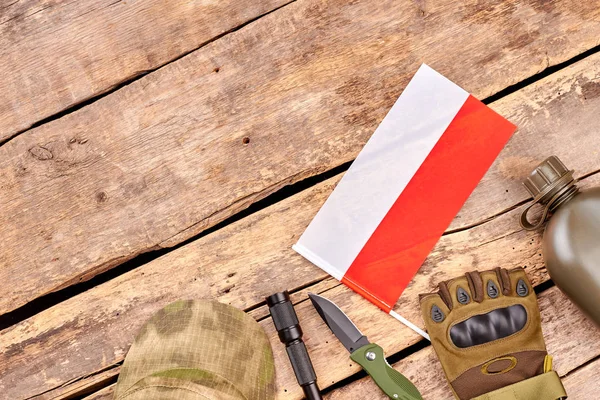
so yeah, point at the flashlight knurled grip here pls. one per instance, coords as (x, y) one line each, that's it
(289, 331)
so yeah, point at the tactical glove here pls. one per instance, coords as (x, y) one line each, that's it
(485, 328)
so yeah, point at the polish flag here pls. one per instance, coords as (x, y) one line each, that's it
(407, 184)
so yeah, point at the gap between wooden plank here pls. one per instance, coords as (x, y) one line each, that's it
(76, 106)
(420, 345)
(103, 92)
(393, 359)
(579, 383)
(574, 345)
(56, 297)
(506, 210)
(299, 298)
(562, 100)
(42, 303)
(108, 376)
(53, 298)
(84, 386)
(342, 78)
(330, 285)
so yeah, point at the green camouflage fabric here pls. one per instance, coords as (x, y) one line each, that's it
(197, 350)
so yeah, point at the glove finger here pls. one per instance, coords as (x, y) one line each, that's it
(504, 280)
(475, 285)
(491, 284)
(433, 308)
(444, 294)
(459, 291)
(520, 285)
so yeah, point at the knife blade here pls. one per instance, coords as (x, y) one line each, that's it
(368, 355)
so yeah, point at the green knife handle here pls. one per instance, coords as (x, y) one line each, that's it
(395, 385)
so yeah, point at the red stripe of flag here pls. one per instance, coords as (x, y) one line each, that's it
(411, 228)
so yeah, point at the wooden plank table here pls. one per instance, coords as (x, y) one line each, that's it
(158, 150)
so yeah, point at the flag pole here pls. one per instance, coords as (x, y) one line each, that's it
(409, 324)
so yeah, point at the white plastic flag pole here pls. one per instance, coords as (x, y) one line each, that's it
(409, 324)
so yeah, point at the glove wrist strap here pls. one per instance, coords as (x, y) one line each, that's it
(546, 386)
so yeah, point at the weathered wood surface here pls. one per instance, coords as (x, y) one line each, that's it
(332, 363)
(251, 258)
(164, 158)
(82, 385)
(94, 330)
(239, 264)
(104, 394)
(578, 383)
(424, 368)
(56, 54)
(570, 337)
(583, 383)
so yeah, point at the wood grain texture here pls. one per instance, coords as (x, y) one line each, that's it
(241, 264)
(556, 116)
(104, 394)
(58, 53)
(164, 158)
(570, 337)
(82, 386)
(252, 258)
(581, 383)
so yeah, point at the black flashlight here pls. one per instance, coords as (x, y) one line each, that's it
(290, 334)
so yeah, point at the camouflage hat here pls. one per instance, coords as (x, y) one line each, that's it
(192, 350)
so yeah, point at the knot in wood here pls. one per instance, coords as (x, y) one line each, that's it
(40, 153)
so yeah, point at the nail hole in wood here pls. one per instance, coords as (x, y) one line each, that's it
(246, 140)
(101, 197)
(216, 70)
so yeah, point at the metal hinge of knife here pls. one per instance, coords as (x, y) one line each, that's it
(368, 355)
